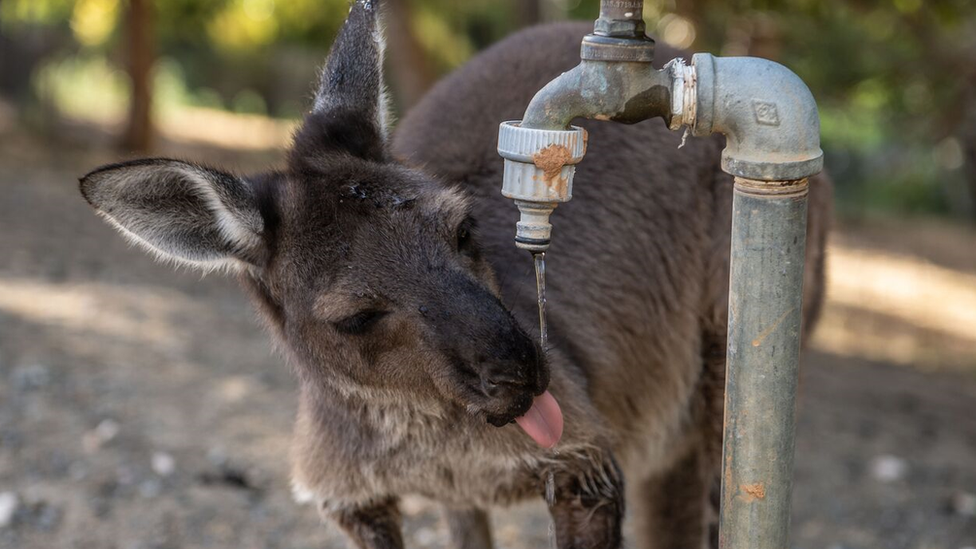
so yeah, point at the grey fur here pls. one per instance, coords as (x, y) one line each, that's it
(405, 337)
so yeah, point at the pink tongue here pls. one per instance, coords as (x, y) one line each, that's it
(544, 421)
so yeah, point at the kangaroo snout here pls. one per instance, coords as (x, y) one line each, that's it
(499, 380)
(509, 382)
(499, 365)
(498, 368)
(520, 367)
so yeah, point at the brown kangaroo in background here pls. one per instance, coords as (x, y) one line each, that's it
(388, 273)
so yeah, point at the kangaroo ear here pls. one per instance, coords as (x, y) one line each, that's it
(350, 111)
(191, 214)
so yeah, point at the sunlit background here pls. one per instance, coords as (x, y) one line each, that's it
(894, 79)
(141, 407)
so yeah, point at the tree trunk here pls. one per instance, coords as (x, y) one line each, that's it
(139, 41)
(411, 72)
(20, 51)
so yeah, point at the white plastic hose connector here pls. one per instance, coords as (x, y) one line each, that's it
(539, 170)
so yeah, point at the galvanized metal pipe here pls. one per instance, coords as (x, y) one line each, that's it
(772, 130)
(765, 303)
(622, 10)
(620, 91)
(620, 18)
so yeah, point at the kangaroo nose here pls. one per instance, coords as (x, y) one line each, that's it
(499, 381)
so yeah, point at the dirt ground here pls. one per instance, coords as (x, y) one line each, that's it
(142, 407)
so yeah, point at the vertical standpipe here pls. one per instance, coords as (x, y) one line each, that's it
(765, 303)
(772, 133)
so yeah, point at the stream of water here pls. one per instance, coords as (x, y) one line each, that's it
(550, 500)
(540, 285)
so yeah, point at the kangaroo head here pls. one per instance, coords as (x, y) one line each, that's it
(368, 271)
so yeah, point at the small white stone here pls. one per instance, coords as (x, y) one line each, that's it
(103, 433)
(163, 464)
(888, 468)
(9, 502)
(107, 429)
(301, 494)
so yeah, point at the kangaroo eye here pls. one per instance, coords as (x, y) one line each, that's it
(359, 323)
(463, 237)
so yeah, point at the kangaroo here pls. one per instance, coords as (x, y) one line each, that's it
(385, 269)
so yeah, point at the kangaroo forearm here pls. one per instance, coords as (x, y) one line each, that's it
(373, 526)
(588, 509)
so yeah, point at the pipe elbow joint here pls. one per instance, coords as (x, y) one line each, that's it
(765, 111)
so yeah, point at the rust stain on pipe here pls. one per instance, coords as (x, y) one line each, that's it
(752, 492)
(551, 161)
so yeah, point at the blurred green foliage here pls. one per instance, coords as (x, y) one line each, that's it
(894, 79)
